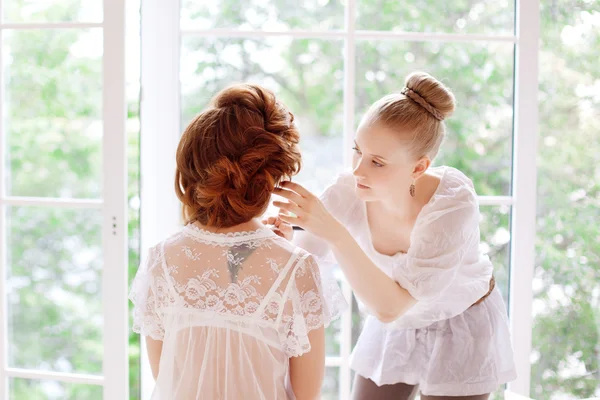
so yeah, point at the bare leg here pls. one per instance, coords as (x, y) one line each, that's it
(366, 389)
(476, 397)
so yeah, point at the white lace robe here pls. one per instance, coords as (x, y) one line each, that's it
(231, 309)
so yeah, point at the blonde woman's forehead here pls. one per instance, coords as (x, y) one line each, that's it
(379, 140)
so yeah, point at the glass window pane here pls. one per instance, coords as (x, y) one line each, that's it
(54, 289)
(565, 360)
(331, 384)
(52, 390)
(498, 394)
(263, 15)
(52, 11)
(470, 16)
(306, 74)
(53, 112)
(479, 134)
(359, 315)
(333, 338)
(132, 54)
(495, 243)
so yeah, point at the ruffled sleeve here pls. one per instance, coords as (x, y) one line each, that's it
(144, 296)
(313, 301)
(340, 198)
(444, 269)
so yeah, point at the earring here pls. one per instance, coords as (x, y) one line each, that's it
(412, 189)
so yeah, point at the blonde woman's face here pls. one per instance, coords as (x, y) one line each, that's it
(382, 165)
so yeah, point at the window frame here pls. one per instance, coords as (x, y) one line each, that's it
(112, 203)
(160, 133)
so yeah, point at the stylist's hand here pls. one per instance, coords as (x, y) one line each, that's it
(310, 213)
(280, 228)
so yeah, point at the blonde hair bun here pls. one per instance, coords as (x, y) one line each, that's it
(437, 98)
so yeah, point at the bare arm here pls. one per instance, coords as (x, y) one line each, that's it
(381, 294)
(154, 349)
(147, 321)
(307, 371)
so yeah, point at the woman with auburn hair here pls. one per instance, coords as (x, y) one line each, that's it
(229, 309)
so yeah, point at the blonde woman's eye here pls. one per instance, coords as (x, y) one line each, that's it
(377, 164)
(356, 150)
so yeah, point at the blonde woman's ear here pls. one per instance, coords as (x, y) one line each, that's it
(422, 165)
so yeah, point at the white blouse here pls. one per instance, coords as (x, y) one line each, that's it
(443, 268)
(446, 273)
(231, 309)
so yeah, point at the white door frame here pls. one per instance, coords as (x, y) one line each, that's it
(115, 378)
(159, 134)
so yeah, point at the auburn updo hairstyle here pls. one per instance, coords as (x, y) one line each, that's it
(232, 156)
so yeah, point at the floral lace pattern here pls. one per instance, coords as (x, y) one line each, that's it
(275, 283)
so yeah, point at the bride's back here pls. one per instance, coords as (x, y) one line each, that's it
(225, 312)
(233, 308)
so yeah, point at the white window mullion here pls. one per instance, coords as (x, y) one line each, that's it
(495, 200)
(346, 345)
(349, 81)
(114, 230)
(433, 37)
(524, 188)
(359, 34)
(345, 376)
(52, 202)
(233, 33)
(3, 258)
(160, 117)
(333, 361)
(3, 307)
(52, 25)
(54, 376)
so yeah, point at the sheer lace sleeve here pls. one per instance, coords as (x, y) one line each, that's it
(143, 295)
(313, 301)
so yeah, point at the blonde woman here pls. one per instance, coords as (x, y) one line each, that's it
(406, 236)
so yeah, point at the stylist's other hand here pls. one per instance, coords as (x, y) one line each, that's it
(280, 227)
